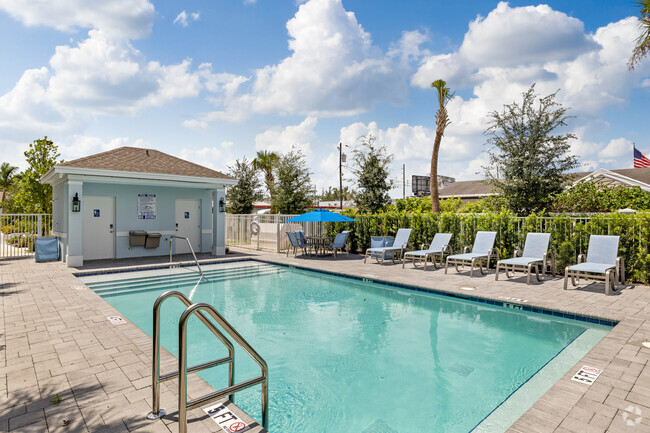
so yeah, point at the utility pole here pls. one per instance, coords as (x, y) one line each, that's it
(404, 181)
(340, 147)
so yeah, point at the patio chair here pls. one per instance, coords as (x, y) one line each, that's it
(339, 243)
(295, 244)
(483, 249)
(535, 254)
(439, 246)
(396, 248)
(601, 259)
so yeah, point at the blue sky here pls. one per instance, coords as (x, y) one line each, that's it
(214, 81)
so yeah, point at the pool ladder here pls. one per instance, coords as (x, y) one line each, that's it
(198, 309)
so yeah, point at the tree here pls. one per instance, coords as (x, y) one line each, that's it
(587, 196)
(333, 194)
(442, 121)
(240, 197)
(371, 166)
(266, 162)
(524, 149)
(293, 190)
(7, 177)
(32, 196)
(642, 47)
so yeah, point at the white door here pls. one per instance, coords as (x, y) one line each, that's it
(188, 224)
(98, 227)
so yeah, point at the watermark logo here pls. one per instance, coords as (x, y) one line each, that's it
(632, 416)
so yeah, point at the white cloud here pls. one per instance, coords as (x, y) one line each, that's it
(118, 18)
(211, 157)
(334, 70)
(616, 148)
(183, 19)
(98, 76)
(282, 140)
(81, 145)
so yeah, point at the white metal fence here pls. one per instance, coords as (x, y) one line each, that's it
(272, 229)
(18, 233)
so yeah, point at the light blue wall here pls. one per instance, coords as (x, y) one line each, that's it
(126, 214)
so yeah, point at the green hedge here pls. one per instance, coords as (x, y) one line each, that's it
(569, 235)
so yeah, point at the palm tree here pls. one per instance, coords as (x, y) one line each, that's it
(7, 172)
(442, 121)
(266, 161)
(642, 47)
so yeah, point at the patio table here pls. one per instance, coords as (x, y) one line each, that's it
(318, 242)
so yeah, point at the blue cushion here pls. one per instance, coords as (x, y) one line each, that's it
(47, 249)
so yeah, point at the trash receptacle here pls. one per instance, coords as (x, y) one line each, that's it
(137, 238)
(153, 240)
(47, 249)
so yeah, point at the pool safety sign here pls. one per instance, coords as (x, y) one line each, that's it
(226, 419)
(146, 206)
(587, 375)
(116, 320)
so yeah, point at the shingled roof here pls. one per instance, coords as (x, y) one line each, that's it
(139, 160)
(480, 188)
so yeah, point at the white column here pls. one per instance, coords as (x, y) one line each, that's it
(74, 254)
(218, 224)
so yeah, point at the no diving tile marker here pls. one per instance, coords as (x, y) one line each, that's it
(587, 375)
(116, 320)
(80, 287)
(226, 419)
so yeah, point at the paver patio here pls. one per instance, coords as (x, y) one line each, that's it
(56, 340)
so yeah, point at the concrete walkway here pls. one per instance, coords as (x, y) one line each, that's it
(56, 340)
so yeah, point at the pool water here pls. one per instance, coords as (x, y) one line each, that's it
(346, 355)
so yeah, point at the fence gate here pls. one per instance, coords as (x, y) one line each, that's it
(18, 233)
(270, 231)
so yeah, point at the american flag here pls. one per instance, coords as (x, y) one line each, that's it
(640, 161)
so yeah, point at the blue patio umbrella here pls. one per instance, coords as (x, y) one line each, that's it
(320, 216)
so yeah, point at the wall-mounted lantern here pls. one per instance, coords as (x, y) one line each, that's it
(222, 204)
(76, 203)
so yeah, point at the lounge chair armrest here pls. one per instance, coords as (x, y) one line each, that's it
(422, 246)
(447, 249)
(494, 252)
(620, 265)
(465, 250)
(517, 252)
(581, 258)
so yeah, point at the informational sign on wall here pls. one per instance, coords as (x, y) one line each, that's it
(146, 206)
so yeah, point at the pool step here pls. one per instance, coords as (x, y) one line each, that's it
(141, 288)
(190, 274)
(181, 280)
(176, 279)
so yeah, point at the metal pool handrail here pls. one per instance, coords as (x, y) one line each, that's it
(183, 370)
(183, 405)
(156, 378)
(191, 249)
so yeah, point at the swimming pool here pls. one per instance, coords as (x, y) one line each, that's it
(348, 355)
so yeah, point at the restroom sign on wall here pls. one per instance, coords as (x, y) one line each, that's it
(146, 206)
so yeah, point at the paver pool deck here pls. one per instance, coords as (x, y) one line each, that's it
(56, 340)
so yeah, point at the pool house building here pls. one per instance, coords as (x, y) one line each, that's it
(135, 202)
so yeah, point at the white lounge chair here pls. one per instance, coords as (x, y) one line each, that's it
(601, 259)
(439, 247)
(397, 248)
(483, 249)
(535, 254)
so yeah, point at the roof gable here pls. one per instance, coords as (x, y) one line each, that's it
(139, 160)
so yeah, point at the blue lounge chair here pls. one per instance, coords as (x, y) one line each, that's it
(339, 243)
(601, 259)
(397, 248)
(535, 254)
(483, 249)
(439, 246)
